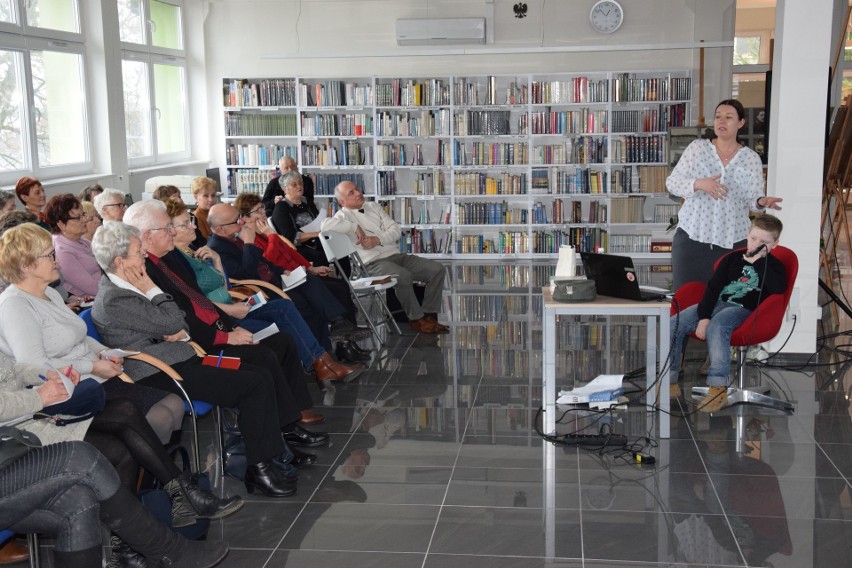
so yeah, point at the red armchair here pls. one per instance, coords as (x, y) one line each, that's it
(762, 325)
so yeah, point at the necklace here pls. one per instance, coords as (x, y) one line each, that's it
(726, 157)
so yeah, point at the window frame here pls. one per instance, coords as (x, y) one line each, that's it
(152, 55)
(25, 39)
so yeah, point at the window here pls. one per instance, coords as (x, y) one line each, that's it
(44, 128)
(747, 50)
(154, 75)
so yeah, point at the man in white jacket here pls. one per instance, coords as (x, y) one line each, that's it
(376, 237)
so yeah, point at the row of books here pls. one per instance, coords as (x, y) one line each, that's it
(410, 215)
(583, 121)
(264, 93)
(504, 276)
(620, 244)
(579, 150)
(252, 124)
(657, 119)
(340, 153)
(422, 123)
(324, 184)
(335, 93)
(627, 87)
(472, 358)
(353, 124)
(475, 183)
(572, 212)
(664, 212)
(574, 90)
(627, 210)
(483, 123)
(489, 213)
(584, 239)
(490, 153)
(258, 154)
(248, 181)
(581, 180)
(491, 308)
(424, 241)
(650, 148)
(411, 92)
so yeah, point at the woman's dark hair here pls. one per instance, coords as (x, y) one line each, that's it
(88, 193)
(737, 105)
(15, 218)
(165, 191)
(58, 209)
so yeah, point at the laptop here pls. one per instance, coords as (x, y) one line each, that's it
(616, 276)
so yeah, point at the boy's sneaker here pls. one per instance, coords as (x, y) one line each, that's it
(715, 400)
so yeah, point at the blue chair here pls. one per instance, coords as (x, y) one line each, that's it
(194, 408)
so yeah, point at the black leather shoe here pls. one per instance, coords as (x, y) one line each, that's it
(304, 438)
(265, 478)
(346, 351)
(302, 459)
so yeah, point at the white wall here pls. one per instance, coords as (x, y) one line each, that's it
(285, 38)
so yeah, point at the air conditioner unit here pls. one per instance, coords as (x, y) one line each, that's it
(444, 31)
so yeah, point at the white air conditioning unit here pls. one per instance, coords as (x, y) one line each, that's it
(444, 31)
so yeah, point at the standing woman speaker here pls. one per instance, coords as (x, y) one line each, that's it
(720, 181)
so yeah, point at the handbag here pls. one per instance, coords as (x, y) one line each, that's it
(15, 443)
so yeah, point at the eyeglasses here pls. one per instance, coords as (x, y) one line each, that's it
(257, 209)
(235, 222)
(168, 228)
(190, 223)
(122, 205)
(51, 255)
(81, 217)
(140, 254)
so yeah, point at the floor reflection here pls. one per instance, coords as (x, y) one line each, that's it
(434, 460)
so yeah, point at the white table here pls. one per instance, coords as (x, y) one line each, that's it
(605, 305)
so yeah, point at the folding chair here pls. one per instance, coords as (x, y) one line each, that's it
(337, 247)
(195, 408)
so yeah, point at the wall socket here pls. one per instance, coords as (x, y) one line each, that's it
(793, 306)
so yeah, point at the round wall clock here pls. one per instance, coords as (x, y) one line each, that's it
(606, 16)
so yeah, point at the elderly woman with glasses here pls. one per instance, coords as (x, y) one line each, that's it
(69, 224)
(110, 205)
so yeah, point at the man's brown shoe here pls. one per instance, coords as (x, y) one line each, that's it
(715, 400)
(12, 553)
(426, 325)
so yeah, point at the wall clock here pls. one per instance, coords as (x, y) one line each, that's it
(606, 16)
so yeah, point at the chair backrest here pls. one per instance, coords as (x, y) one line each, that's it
(271, 224)
(336, 245)
(92, 331)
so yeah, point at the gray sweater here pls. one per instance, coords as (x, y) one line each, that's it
(17, 401)
(44, 333)
(128, 320)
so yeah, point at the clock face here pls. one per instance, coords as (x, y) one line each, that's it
(606, 16)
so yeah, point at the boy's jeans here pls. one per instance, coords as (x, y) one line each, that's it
(725, 319)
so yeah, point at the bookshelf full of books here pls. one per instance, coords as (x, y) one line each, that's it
(510, 166)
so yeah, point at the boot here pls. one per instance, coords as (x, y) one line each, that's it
(122, 556)
(265, 477)
(205, 504)
(183, 513)
(77, 558)
(161, 546)
(327, 369)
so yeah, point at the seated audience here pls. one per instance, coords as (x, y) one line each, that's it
(66, 487)
(80, 271)
(110, 205)
(376, 237)
(239, 245)
(210, 276)
(31, 193)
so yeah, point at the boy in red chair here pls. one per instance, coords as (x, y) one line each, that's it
(742, 280)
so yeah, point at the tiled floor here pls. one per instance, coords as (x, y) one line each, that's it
(433, 462)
